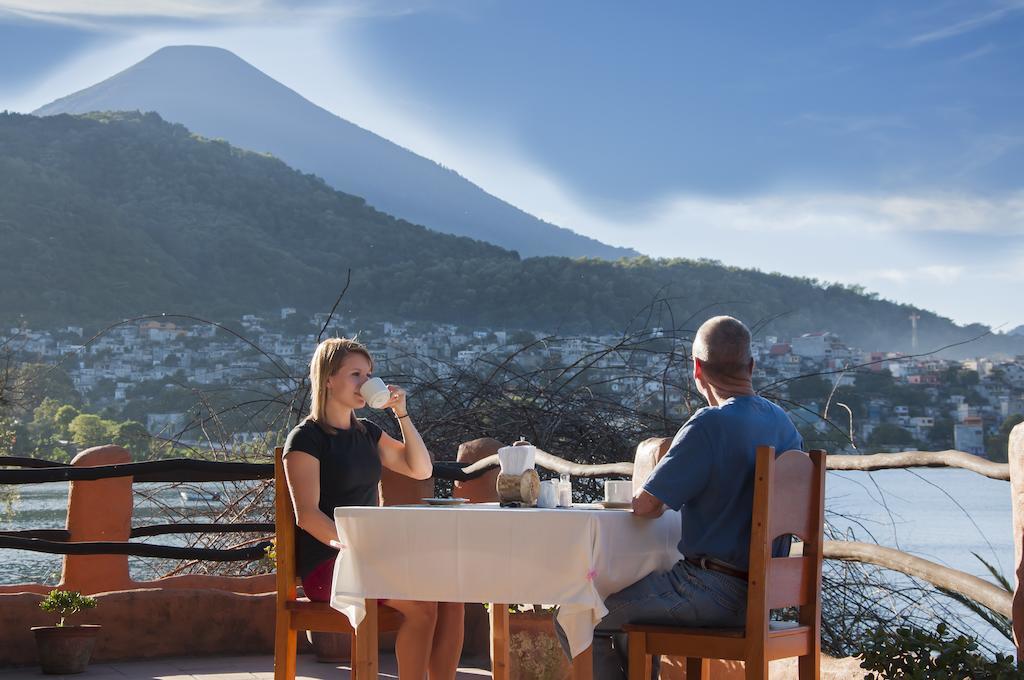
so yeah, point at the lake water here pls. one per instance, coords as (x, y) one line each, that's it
(940, 514)
(44, 506)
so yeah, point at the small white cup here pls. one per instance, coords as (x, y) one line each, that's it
(375, 392)
(548, 494)
(618, 491)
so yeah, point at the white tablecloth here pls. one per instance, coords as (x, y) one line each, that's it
(482, 553)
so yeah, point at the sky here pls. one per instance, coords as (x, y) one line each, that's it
(878, 144)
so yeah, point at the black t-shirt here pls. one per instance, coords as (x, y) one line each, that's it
(350, 470)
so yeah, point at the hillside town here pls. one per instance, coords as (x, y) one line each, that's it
(902, 402)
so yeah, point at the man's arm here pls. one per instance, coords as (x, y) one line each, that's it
(681, 474)
(646, 505)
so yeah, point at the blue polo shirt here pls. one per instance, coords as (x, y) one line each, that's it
(709, 474)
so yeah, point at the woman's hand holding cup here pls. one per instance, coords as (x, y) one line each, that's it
(396, 401)
(381, 396)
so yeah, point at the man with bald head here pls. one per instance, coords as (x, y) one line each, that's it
(708, 473)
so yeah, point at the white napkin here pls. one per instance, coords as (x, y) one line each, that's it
(515, 460)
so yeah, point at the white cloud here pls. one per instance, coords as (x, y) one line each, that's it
(986, 149)
(793, 213)
(936, 273)
(171, 9)
(871, 240)
(124, 16)
(979, 292)
(966, 25)
(939, 272)
(978, 53)
(852, 238)
(851, 124)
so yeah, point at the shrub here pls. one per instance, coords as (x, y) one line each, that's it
(66, 603)
(917, 654)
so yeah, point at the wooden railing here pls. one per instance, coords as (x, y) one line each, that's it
(57, 541)
(1010, 605)
(36, 471)
(908, 459)
(187, 470)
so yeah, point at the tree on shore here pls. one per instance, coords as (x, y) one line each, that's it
(997, 446)
(887, 435)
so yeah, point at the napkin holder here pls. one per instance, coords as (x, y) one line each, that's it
(518, 482)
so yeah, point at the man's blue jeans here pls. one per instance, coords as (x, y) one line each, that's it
(686, 596)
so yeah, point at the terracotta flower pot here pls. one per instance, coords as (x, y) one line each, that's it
(534, 651)
(64, 650)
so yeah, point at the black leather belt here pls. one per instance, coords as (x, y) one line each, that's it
(705, 563)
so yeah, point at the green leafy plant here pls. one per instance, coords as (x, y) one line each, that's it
(8, 493)
(66, 603)
(917, 654)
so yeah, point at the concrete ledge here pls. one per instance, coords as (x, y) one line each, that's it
(150, 622)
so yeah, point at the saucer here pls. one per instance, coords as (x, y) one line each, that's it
(445, 501)
(616, 505)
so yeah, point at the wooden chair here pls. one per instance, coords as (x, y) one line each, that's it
(295, 613)
(789, 498)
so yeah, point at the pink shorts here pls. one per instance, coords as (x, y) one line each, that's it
(317, 583)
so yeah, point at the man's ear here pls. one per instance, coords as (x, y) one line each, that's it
(751, 366)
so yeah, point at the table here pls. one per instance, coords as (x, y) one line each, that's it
(573, 558)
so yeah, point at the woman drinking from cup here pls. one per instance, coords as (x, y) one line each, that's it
(334, 459)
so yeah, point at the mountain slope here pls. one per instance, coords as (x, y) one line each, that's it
(218, 95)
(110, 216)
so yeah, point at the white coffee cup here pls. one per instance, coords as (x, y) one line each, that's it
(375, 392)
(618, 491)
(548, 497)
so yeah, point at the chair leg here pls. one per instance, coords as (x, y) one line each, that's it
(698, 669)
(639, 659)
(582, 666)
(809, 667)
(756, 667)
(284, 649)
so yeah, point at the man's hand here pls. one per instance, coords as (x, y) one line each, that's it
(646, 505)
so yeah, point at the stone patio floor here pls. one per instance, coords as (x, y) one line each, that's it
(222, 668)
(262, 668)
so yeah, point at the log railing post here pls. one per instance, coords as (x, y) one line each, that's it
(1016, 460)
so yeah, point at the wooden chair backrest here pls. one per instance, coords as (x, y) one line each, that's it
(648, 453)
(284, 525)
(789, 498)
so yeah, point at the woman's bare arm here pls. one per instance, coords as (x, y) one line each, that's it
(302, 471)
(410, 456)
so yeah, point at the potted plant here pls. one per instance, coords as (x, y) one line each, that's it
(64, 649)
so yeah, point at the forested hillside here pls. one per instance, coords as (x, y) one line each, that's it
(108, 216)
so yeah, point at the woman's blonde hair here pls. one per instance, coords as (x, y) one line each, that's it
(326, 361)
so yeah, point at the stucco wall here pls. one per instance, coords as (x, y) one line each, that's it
(149, 622)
